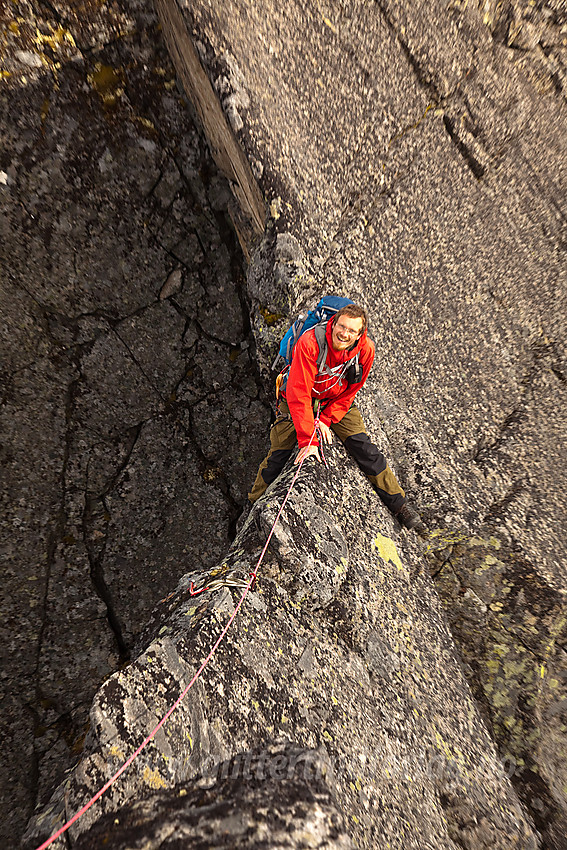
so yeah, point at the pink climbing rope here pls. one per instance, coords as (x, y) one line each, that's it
(178, 701)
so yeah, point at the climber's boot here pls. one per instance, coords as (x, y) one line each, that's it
(409, 518)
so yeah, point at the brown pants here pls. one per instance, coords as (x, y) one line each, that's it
(352, 434)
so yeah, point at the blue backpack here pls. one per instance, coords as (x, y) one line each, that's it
(317, 318)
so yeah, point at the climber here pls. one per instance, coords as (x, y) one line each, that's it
(334, 386)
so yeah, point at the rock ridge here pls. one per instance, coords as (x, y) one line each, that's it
(342, 648)
(423, 190)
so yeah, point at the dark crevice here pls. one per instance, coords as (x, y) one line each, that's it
(437, 572)
(484, 449)
(55, 537)
(114, 320)
(195, 205)
(154, 186)
(475, 166)
(220, 480)
(133, 435)
(30, 214)
(211, 337)
(140, 367)
(171, 253)
(70, 322)
(559, 374)
(201, 244)
(535, 794)
(554, 73)
(33, 766)
(99, 581)
(183, 313)
(519, 415)
(19, 285)
(422, 76)
(96, 560)
(496, 510)
(52, 11)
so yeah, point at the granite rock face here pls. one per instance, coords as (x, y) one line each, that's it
(359, 666)
(418, 166)
(411, 156)
(125, 341)
(279, 796)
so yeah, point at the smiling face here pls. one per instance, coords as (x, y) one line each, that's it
(345, 332)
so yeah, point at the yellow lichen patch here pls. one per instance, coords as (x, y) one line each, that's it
(387, 550)
(154, 779)
(269, 317)
(58, 37)
(441, 538)
(477, 541)
(330, 24)
(276, 208)
(107, 82)
(116, 752)
(146, 123)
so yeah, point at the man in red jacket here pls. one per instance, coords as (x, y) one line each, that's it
(346, 337)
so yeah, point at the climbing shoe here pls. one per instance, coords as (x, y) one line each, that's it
(409, 517)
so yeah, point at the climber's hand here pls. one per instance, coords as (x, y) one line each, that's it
(326, 433)
(305, 452)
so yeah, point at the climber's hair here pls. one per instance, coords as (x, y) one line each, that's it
(353, 311)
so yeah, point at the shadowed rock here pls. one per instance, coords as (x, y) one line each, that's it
(112, 483)
(277, 797)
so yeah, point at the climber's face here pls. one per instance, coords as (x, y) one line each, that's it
(345, 332)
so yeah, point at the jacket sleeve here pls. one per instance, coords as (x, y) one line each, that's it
(302, 374)
(336, 408)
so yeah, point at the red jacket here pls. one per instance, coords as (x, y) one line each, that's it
(304, 385)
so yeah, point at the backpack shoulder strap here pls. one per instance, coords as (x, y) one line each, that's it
(321, 337)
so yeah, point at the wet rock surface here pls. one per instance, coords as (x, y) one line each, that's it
(125, 340)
